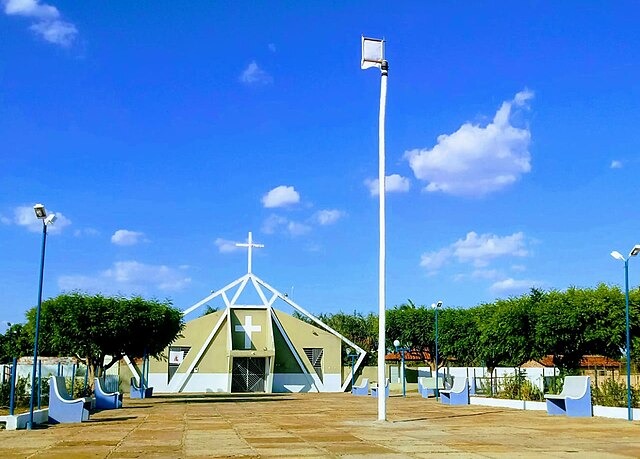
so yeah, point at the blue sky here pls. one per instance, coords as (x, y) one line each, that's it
(162, 135)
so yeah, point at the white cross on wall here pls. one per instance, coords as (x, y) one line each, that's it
(250, 245)
(248, 328)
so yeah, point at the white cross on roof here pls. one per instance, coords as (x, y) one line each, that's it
(250, 245)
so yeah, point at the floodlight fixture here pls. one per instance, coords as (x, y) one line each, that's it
(635, 251)
(40, 211)
(50, 219)
(617, 255)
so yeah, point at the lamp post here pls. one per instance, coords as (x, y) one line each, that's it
(373, 56)
(437, 306)
(353, 363)
(618, 256)
(402, 350)
(47, 220)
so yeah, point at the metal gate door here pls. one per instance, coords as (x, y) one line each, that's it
(248, 374)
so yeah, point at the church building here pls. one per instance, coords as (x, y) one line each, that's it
(249, 346)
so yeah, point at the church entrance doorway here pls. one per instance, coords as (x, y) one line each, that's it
(248, 374)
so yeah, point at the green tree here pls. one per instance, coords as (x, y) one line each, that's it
(458, 336)
(93, 327)
(358, 328)
(16, 342)
(580, 322)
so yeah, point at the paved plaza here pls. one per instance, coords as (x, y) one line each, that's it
(320, 425)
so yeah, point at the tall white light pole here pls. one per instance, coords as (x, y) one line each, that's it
(373, 56)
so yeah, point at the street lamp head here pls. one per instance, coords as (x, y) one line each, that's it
(436, 305)
(396, 343)
(635, 251)
(348, 350)
(40, 211)
(50, 220)
(617, 255)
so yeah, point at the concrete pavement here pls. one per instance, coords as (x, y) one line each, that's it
(320, 425)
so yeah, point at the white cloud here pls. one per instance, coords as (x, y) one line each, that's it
(126, 237)
(128, 277)
(281, 196)
(433, 261)
(254, 75)
(272, 223)
(297, 229)
(86, 232)
(485, 274)
(479, 249)
(226, 246)
(24, 216)
(476, 160)
(518, 268)
(272, 47)
(513, 287)
(5, 220)
(278, 224)
(328, 217)
(394, 183)
(615, 164)
(48, 23)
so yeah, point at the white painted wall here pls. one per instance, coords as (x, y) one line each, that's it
(332, 383)
(298, 382)
(198, 382)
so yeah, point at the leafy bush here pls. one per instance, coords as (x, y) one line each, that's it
(518, 387)
(23, 393)
(613, 393)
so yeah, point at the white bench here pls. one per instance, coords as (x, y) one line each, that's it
(574, 400)
(62, 408)
(362, 389)
(458, 394)
(427, 385)
(374, 389)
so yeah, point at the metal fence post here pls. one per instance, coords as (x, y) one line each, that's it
(39, 382)
(13, 385)
(73, 378)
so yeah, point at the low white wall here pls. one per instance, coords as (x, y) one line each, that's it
(616, 412)
(19, 421)
(598, 411)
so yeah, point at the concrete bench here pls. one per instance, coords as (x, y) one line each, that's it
(64, 409)
(427, 386)
(574, 400)
(106, 400)
(362, 389)
(458, 394)
(136, 391)
(374, 389)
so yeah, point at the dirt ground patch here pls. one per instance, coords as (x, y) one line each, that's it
(320, 425)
